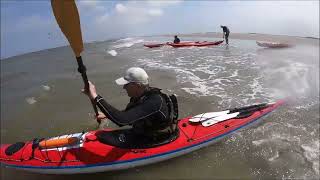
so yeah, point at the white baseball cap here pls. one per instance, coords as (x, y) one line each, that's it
(134, 74)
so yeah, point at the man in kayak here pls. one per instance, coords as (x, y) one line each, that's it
(176, 39)
(151, 113)
(226, 33)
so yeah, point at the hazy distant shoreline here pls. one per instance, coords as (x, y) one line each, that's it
(242, 36)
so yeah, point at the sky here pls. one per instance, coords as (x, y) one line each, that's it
(28, 26)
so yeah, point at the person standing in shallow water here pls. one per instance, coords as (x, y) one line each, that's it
(225, 33)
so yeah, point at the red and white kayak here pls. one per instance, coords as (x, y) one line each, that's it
(83, 153)
(197, 44)
(272, 44)
(184, 44)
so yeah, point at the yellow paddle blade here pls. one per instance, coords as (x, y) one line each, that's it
(67, 16)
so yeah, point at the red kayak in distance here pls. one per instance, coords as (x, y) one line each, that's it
(86, 153)
(197, 44)
(185, 44)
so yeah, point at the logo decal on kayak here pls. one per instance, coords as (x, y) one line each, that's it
(122, 138)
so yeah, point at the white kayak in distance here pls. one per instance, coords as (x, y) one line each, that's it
(270, 44)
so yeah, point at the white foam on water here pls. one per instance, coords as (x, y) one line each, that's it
(234, 73)
(125, 39)
(311, 153)
(276, 156)
(127, 43)
(202, 74)
(256, 87)
(31, 100)
(272, 146)
(260, 142)
(309, 149)
(277, 138)
(157, 50)
(308, 105)
(46, 87)
(112, 52)
(301, 127)
(294, 79)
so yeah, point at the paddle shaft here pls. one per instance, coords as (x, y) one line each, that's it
(82, 70)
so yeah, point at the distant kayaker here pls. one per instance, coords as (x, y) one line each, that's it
(151, 113)
(176, 39)
(226, 33)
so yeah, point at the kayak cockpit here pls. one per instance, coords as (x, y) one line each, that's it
(124, 138)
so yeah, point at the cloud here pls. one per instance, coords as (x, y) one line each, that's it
(120, 8)
(136, 12)
(127, 15)
(91, 6)
(163, 3)
(155, 12)
(124, 18)
(135, 9)
(102, 19)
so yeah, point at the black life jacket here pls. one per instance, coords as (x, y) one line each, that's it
(170, 125)
(172, 104)
(176, 40)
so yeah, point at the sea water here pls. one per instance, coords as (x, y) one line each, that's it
(41, 96)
